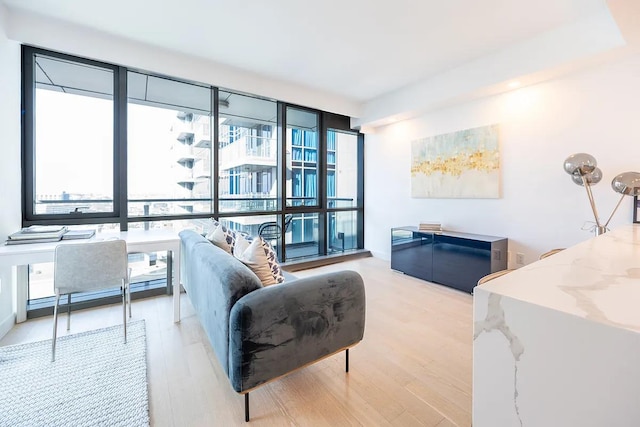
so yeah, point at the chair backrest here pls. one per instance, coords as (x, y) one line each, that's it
(271, 229)
(551, 252)
(492, 276)
(90, 266)
(287, 221)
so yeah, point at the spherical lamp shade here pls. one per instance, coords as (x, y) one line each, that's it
(627, 183)
(592, 177)
(580, 164)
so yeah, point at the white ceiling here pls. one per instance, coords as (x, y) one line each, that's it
(359, 49)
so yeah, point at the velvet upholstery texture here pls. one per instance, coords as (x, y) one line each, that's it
(214, 281)
(277, 329)
(261, 333)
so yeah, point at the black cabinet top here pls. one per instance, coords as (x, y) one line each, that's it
(468, 236)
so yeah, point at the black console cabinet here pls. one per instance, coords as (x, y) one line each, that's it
(457, 260)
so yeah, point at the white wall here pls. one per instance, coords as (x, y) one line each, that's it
(548, 55)
(9, 162)
(595, 111)
(77, 40)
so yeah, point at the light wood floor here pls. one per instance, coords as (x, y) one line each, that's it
(413, 367)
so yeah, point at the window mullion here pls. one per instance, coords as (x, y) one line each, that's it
(120, 148)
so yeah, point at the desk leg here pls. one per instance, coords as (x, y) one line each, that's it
(173, 270)
(22, 292)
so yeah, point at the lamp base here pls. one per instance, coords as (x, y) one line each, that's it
(600, 230)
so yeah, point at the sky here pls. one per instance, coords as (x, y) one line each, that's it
(74, 146)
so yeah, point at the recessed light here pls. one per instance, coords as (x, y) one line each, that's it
(514, 84)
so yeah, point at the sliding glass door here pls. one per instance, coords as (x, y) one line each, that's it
(303, 162)
(342, 190)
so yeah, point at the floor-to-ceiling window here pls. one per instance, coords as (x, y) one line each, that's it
(342, 190)
(72, 134)
(247, 154)
(168, 147)
(109, 147)
(302, 195)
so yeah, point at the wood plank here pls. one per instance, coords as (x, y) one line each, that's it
(413, 366)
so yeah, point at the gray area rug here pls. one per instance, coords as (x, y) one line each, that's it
(96, 380)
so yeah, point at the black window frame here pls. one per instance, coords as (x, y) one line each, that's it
(326, 121)
(28, 143)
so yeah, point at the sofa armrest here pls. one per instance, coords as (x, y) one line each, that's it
(279, 328)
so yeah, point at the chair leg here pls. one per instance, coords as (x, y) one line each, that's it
(129, 290)
(347, 360)
(124, 311)
(68, 311)
(55, 328)
(246, 407)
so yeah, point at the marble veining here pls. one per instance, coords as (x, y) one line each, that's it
(584, 291)
(577, 312)
(584, 280)
(495, 321)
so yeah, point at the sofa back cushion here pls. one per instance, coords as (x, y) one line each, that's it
(259, 256)
(214, 281)
(222, 237)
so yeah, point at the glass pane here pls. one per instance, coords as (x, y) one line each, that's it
(73, 137)
(302, 239)
(169, 146)
(342, 169)
(266, 226)
(341, 231)
(248, 153)
(200, 225)
(41, 280)
(302, 158)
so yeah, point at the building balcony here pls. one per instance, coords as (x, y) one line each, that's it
(247, 203)
(188, 183)
(185, 137)
(203, 143)
(184, 116)
(248, 150)
(187, 161)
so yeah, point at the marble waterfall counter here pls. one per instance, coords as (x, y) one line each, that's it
(557, 342)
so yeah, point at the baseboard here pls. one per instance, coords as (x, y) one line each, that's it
(7, 324)
(382, 255)
(303, 264)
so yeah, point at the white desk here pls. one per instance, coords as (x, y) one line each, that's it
(137, 241)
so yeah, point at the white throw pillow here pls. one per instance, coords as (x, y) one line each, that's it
(260, 257)
(222, 237)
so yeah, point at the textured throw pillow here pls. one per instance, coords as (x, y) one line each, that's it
(222, 237)
(259, 256)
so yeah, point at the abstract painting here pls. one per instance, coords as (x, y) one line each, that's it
(463, 164)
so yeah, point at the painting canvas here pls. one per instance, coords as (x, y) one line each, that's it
(463, 164)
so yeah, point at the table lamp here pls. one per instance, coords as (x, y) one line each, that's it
(584, 171)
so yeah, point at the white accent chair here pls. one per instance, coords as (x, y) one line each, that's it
(492, 276)
(86, 267)
(551, 252)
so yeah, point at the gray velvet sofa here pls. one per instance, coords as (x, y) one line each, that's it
(261, 333)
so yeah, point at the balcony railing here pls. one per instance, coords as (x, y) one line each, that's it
(247, 149)
(228, 204)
